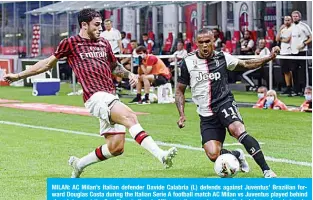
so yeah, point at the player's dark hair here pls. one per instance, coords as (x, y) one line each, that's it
(145, 34)
(141, 49)
(87, 15)
(133, 41)
(308, 88)
(218, 30)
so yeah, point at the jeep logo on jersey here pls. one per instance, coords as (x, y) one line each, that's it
(206, 76)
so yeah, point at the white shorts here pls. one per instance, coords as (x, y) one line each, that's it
(99, 105)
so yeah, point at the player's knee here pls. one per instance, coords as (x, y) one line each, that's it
(117, 150)
(236, 128)
(213, 155)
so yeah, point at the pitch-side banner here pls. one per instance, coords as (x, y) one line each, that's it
(179, 188)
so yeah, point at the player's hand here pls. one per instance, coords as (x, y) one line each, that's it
(133, 79)
(301, 46)
(275, 52)
(181, 121)
(10, 78)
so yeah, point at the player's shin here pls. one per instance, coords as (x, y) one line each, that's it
(101, 153)
(145, 140)
(253, 148)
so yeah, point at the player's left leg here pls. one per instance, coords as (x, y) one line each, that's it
(114, 147)
(213, 136)
(231, 118)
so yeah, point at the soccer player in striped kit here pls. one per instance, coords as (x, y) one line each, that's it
(205, 70)
(93, 63)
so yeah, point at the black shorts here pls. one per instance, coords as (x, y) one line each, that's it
(286, 65)
(159, 80)
(214, 127)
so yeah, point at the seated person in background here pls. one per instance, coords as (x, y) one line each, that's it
(247, 44)
(126, 61)
(217, 40)
(146, 40)
(307, 104)
(272, 102)
(180, 54)
(152, 71)
(262, 91)
(262, 51)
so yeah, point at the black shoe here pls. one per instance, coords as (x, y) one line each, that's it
(292, 94)
(144, 101)
(286, 92)
(136, 100)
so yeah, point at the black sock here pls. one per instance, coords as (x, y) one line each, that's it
(138, 96)
(147, 96)
(235, 153)
(253, 148)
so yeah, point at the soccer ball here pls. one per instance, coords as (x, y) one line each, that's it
(226, 166)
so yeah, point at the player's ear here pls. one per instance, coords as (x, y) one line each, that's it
(84, 25)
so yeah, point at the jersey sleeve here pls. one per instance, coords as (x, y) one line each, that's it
(306, 29)
(231, 61)
(184, 75)
(152, 60)
(63, 49)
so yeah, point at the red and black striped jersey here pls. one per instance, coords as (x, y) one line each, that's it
(91, 62)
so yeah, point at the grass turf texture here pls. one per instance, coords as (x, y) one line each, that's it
(29, 155)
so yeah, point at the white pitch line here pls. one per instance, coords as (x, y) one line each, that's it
(279, 160)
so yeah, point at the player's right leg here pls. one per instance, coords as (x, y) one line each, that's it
(122, 114)
(213, 136)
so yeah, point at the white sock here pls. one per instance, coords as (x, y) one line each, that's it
(101, 153)
(145, 141)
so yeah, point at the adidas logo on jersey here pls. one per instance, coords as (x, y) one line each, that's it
(206, 76)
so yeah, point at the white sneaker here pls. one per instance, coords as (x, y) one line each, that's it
(269, 174)
(73, 163)
(167, 158)
(244, 166)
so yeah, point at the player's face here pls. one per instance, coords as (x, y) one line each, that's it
(133, 45)
(261, 44)
(94, 28)
(307, 92)
(246, 35)
(108, 25)
(271, 95)
(180, 46)
(205, 43)
(295, 17)
(144, 38)
(287, 21)
(142, 55)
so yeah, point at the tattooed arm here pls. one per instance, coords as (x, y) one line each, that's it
(180, 103)
(119, 70)
(255, 63)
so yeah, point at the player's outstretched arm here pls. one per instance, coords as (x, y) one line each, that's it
(38, 68)
(257, 62)
(120, 71)
(180, 103)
